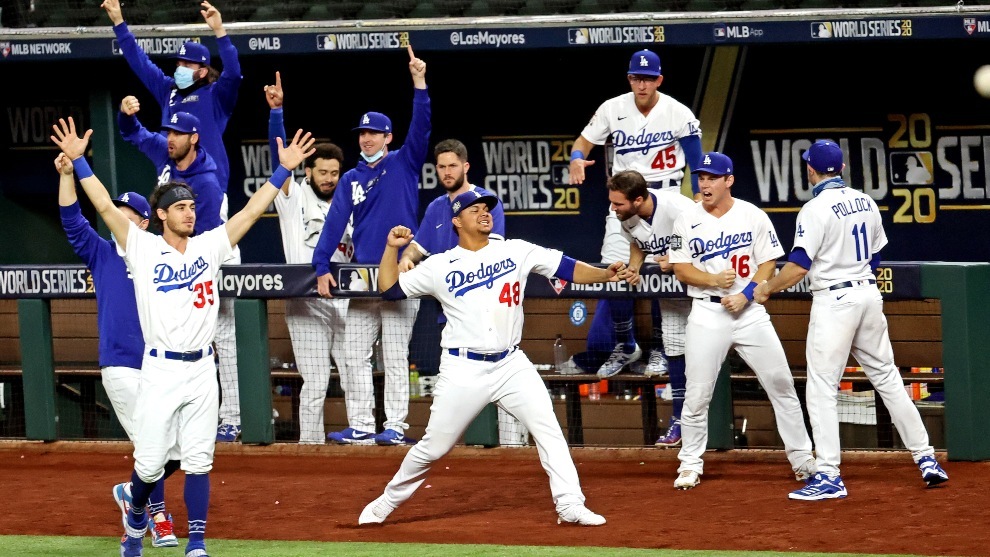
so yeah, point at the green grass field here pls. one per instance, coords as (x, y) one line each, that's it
(53, 546)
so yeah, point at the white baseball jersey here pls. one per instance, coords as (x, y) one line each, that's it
(840, 229)
(653, 235)
(647, 144)
(481, 291)
(742, 238)
(177, 297)
(301, 215)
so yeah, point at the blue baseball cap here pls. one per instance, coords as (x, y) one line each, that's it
(193, 52)
(182, 122)
(375, 121)
(468, 198)
(824, 156)
(714, 163)
(135, 201)
(644, 62)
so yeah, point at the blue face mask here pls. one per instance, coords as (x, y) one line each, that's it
(183, 77)
(372, 158)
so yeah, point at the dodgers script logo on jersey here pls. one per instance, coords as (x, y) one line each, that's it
(723, 245)
(170, 279)
(642, 142)
(486, 274)
(655, 246)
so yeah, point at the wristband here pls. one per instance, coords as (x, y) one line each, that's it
(576, 154)
(82, 167)
(748, 291)
(280, 175)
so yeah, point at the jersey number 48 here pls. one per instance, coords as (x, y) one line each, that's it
(509, 294)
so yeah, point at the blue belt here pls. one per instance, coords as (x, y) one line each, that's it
(481, 356)
(851, 283)
(192, 356)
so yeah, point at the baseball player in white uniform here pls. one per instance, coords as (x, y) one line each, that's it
(650, 132)
(480, 284)
(721, 249)
(316, 325)
(178, 301)
(647, 218)
(837, 244)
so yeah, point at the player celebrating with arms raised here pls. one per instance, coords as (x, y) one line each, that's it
(480, 284)
(839, 238)
(178, 302)
(721, 249)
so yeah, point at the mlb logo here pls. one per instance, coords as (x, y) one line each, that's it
(5, 49)
(912, 168)
(969, 24)
(115, 47)
(577, 36)
(326, 42)
(720, 32)
(821, 29)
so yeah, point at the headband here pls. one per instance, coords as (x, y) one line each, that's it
(174, 195)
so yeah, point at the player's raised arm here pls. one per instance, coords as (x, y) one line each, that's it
(388, 269)
(290, 156)
(74, 147)
(417, 68)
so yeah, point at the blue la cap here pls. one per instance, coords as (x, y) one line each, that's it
(182, 122)
(714, 163)
(375, 121)
(194, 52)
(135, 201)
(644, 62)
(468, 198)
(824, 156)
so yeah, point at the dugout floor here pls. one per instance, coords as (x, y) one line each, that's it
(287, 492)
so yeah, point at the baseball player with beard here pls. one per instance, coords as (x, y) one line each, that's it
(382, 189)
(316, 325)
(651, 133)
(837, 244)
(121, 343)
(647, 218)
(175, 288)
(721, 249)
(437, 234)
(480, 284)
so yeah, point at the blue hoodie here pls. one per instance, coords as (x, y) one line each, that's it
(201, 176)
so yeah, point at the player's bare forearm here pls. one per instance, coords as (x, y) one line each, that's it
(693, 276)
(243, 220)
(788, 276)
(66, 181)
(116, 220)
(579, 153)
(588, 274)
(765, 271)
(388, 269)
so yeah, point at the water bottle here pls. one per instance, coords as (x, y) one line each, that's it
(413, 381)
(559, 353)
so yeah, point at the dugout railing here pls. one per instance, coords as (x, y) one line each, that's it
(33, 381)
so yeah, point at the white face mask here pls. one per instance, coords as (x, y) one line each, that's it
(184, 77)
(372, 158)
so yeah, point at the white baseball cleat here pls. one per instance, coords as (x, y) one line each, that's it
(581, 515)
(376, 512)
(687, 479)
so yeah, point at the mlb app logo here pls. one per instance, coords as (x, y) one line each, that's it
(911, 168)
(821, 29)
(326, 42)
(577, 36)
(969, 24)
(720, 32)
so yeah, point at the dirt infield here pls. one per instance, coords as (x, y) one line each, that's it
(502, 496)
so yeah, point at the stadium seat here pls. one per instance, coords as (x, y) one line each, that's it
(560, 6)
(425, 10)
(505, 7)
(533, 7)
(649, 6)
(452, 8)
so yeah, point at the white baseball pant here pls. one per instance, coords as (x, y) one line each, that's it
(366, 318)
(226, 343)
(316, 328)
(674, 316)
(711, 331)
(852, 318)
(511, 432)
(177, 401)
(121, 385)
(464, 387)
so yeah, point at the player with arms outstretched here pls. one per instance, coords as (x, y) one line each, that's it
(837, 245)
(480, 284)
(178, 301)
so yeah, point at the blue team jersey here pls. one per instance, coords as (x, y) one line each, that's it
(121, 339)
(380, 197)
(436, 233)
